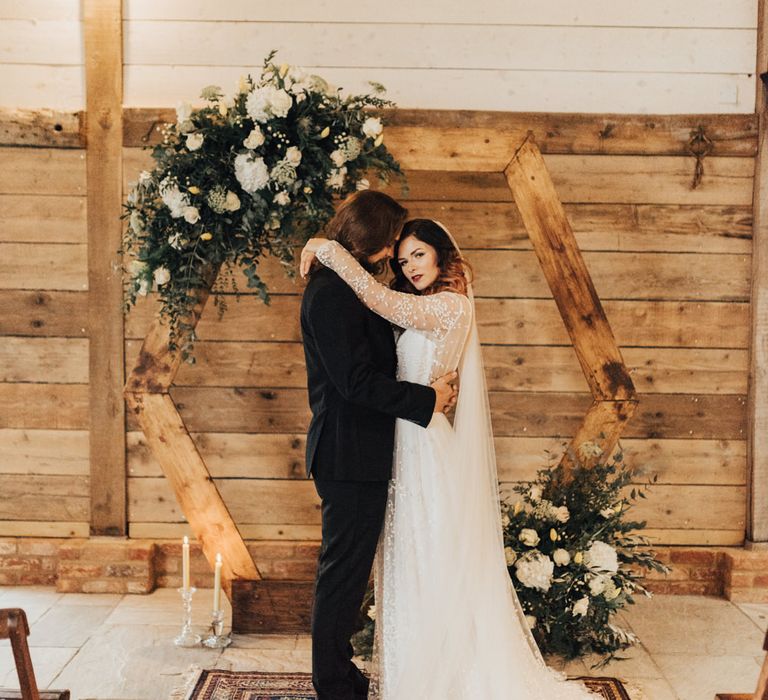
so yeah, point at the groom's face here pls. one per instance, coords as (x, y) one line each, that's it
(383, 254)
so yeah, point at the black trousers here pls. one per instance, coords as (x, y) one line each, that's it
(353, 515)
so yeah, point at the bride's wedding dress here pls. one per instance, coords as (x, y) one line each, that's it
(448, 622)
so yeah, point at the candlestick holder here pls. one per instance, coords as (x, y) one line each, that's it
(187, 638)
(216, 639)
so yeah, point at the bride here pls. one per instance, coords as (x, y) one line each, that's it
(449, 625)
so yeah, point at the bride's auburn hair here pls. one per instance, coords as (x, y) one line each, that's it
(455, 272)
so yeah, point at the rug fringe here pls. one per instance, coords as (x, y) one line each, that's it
(188, 681)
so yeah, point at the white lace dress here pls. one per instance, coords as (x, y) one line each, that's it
(448, 625)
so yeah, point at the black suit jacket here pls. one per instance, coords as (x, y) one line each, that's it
(353, 393)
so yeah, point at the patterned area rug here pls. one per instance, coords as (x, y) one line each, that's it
(253, 685)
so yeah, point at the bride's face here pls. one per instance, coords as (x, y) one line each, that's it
(418, 261)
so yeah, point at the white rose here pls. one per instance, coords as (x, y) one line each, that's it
(535, 493)
(173, 198)
(161, 275)
(137, 267)
(254, 139)
(611, 590)
(510, 555)
(601, 556)
(561, 514)
(251, 173)
(561, 557)
(372, 127)
(282, 198)
(362, 184)
(597, 584)
(183, 112)
(529, 537)
(194, 141)
(534, 570)
(581, 606)
(232, 201)
(338, 158)
(336, 178)
(293, 156)
(191, 215)
(280, 102)
(143, 287)
(530, 620)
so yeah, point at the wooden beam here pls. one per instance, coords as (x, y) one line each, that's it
(200, 500)
(104, 135)
(757, 452)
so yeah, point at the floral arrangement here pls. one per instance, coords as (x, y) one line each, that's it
(244, 176)
(574, 557)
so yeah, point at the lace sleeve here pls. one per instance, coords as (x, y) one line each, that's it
(436, 313)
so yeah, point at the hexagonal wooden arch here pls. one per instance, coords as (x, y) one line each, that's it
(614, 397)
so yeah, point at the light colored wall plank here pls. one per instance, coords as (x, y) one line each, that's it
(43, 87)
(47, 498)
(249, 531)
(48, 452)
(41, 266)
(42, 41)
(33, 528)
(44, 360)
(46, 406)
(518, 91)
(42, 219)
(42, 171)
(407, 46)
(654, 13)
(40, 9)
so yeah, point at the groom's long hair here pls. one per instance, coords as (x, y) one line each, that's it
(365, 223)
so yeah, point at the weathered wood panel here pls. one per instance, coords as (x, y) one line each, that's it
(43, 266)
(43, 313)
(42, 219)
(47, 498)
(500, 321)
(265, 456)
(508, 368)
(45, 406)
(40, 127)
(50, 452)
(44, 360)
(577, 178)
(34, 528)
(689, 416)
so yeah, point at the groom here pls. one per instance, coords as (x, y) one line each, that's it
(354, 397)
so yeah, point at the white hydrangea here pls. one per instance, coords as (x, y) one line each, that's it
(251, 173)
(257, 105)
(352, 148)
(601, 556)
(173, 198)
(372, 127)
(581, 606)
(561, 557)
(597, 584)
(195, 141)
(161, 276)
(529, 537)
(254, 139)
(280, 102)
(534, 570)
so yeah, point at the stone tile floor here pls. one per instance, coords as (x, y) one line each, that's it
(115, 647)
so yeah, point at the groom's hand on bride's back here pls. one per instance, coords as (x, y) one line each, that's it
(445, 392)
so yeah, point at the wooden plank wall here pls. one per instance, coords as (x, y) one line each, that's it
(671, 264)
(510, 55)
(44, 413)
